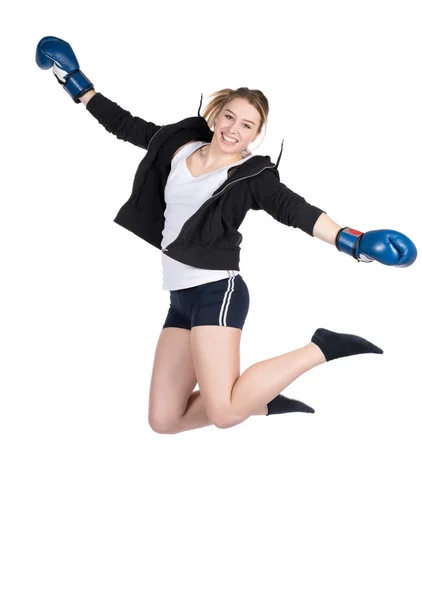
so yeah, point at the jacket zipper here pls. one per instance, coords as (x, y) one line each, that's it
(154, 136)
(206, 203)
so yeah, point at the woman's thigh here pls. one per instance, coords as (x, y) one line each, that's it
(173, 378)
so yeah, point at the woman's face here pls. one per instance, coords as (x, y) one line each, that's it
(238, 120)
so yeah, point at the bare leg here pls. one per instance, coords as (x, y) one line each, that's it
(257, 386)
(261, 382)
(195, 415)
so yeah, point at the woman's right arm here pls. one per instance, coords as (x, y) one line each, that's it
(57, 54)
(118, 121)
(87, 97)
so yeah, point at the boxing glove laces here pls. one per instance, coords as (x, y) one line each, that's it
(386, 246)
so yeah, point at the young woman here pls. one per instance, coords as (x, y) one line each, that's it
(191, 192)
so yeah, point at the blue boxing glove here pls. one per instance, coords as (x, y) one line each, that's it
(386, 246)
(56, 53)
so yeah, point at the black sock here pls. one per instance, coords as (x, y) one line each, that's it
(280, 404)
(338, 345)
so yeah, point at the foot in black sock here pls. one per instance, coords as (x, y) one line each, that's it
(338, 345)
(280, 404)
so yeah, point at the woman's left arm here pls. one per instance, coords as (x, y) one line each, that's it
(386, 246)
(325, 229)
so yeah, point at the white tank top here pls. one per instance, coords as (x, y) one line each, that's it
(184, 194)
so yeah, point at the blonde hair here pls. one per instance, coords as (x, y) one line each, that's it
(219, 99)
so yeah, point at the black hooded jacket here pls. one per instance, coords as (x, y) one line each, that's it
(209, 239)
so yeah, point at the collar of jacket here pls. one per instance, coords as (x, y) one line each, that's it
(282, 143)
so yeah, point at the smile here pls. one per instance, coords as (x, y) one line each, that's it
(228, 140)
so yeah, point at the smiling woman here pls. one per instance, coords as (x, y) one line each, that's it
(191, 210)
(239, 114)
(238, 117)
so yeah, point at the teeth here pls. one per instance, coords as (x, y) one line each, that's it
(229, 139)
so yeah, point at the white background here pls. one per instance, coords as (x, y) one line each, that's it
(94, 504)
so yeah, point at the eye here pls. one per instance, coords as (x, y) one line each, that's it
(248, 126)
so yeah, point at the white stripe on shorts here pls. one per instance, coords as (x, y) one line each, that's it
(222, 319)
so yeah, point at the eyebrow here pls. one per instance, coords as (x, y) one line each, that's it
(236, 115)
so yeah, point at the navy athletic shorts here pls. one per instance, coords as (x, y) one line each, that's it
(224, 302)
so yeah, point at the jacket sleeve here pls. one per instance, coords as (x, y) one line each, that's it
(284, 205)
(120, 122)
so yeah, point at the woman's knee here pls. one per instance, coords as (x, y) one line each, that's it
(163, 423)
(223, 418)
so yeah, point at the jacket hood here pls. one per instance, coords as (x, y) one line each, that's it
(258, 156)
